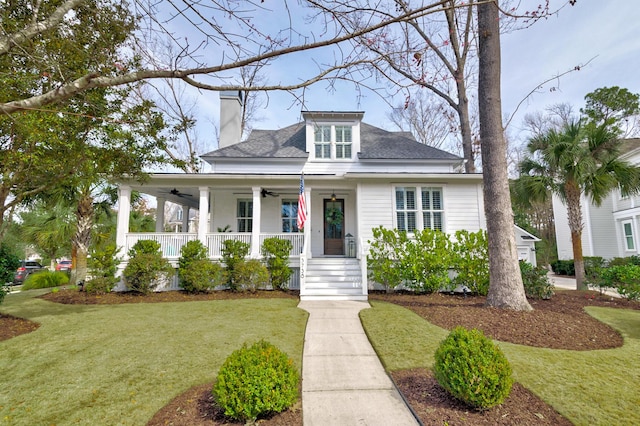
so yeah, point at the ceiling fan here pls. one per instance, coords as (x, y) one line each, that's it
(177, 193)
(264, 192)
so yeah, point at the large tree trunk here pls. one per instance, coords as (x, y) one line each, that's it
(506, 289)
(574, 215)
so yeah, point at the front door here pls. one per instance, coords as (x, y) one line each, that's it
(333, 227)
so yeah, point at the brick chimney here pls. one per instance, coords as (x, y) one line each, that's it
(230, 118)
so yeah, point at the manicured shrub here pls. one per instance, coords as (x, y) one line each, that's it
(563, 267)
(256, 380)
(103, 264)
(233, 253)
(471, 261)
(250, 276)
(473, 369)
(536, 282)
(146, 268)
(202, 275)
(625, 279)
(45, 279)
(426, 261)
(276, 257)
(191, 252)
(193, 267)
(384, 258)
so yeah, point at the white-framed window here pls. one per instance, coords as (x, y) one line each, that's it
(628, 236)
(289, 213)
(322, 141)
(344, 141)
(244, 215)
(333, 141)
(419, 208)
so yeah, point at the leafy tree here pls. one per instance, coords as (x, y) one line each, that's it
(580, 159)
(611, 105)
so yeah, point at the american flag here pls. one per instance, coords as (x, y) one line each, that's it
(302, 205)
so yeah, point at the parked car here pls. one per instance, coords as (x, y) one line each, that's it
(64, 266)
(27, 267)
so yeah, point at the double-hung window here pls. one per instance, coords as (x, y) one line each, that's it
(343, 141)
(322, 141)
(333, 141)
(244, 215)
(419, 208)
(289, 213)
(629, 240)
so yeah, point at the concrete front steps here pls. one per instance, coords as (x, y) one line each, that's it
(333, 278)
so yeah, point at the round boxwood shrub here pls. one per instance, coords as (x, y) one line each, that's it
(255, 381)
(473, 369)
(250, 275)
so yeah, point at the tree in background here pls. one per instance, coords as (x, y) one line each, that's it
(581, 158)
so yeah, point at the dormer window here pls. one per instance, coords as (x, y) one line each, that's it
(333, 141)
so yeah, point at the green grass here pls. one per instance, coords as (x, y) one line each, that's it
(588, 387)
(119, 364)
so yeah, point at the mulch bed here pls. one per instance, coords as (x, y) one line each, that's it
(558, 323)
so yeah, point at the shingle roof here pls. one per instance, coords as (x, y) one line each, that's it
(289, 142)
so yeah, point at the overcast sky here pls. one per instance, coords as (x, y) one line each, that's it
(605, 33)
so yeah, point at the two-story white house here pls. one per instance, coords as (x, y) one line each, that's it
(356, 177)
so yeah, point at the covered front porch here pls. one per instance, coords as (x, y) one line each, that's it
(251, 211)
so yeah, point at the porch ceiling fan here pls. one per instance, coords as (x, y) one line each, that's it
(264, 192)
(177, 193)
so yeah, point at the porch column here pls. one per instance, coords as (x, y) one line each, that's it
(160, 201)
(124, 208)
(203, 213)
(185, 219)
(255, 233)
(307, 227)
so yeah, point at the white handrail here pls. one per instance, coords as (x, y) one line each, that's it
(362, 256)
(303, 265)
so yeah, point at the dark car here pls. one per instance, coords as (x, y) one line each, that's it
(26, 268)
(64, 266)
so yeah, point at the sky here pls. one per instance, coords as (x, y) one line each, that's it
(604, 34)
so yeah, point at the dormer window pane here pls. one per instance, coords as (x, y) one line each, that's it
(343, 141)
(322, 139)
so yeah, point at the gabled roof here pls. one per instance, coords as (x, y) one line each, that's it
(290, 143)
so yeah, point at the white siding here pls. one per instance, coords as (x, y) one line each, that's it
(603, 230)
(463, 208)
(375, 208)
(563, 234)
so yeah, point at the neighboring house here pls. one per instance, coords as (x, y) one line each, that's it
(356, 177)
(611, 229)
(526, 245)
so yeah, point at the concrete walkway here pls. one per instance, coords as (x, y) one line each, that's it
(343, 381)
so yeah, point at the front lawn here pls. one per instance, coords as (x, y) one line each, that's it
(119, 364)
(593, 387)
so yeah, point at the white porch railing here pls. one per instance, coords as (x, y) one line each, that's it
(170, 242)
(296, 239)
(215, 240)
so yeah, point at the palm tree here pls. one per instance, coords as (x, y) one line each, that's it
(578, 159)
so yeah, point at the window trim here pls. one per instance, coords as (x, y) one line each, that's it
(292, 219)
(351, 146)
(419, 211)
(248, 219)
(625, 237)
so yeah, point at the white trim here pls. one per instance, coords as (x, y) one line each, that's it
(632, 227)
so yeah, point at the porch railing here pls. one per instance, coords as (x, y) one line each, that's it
(215, 240)
(296, 239)
(171, 242)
